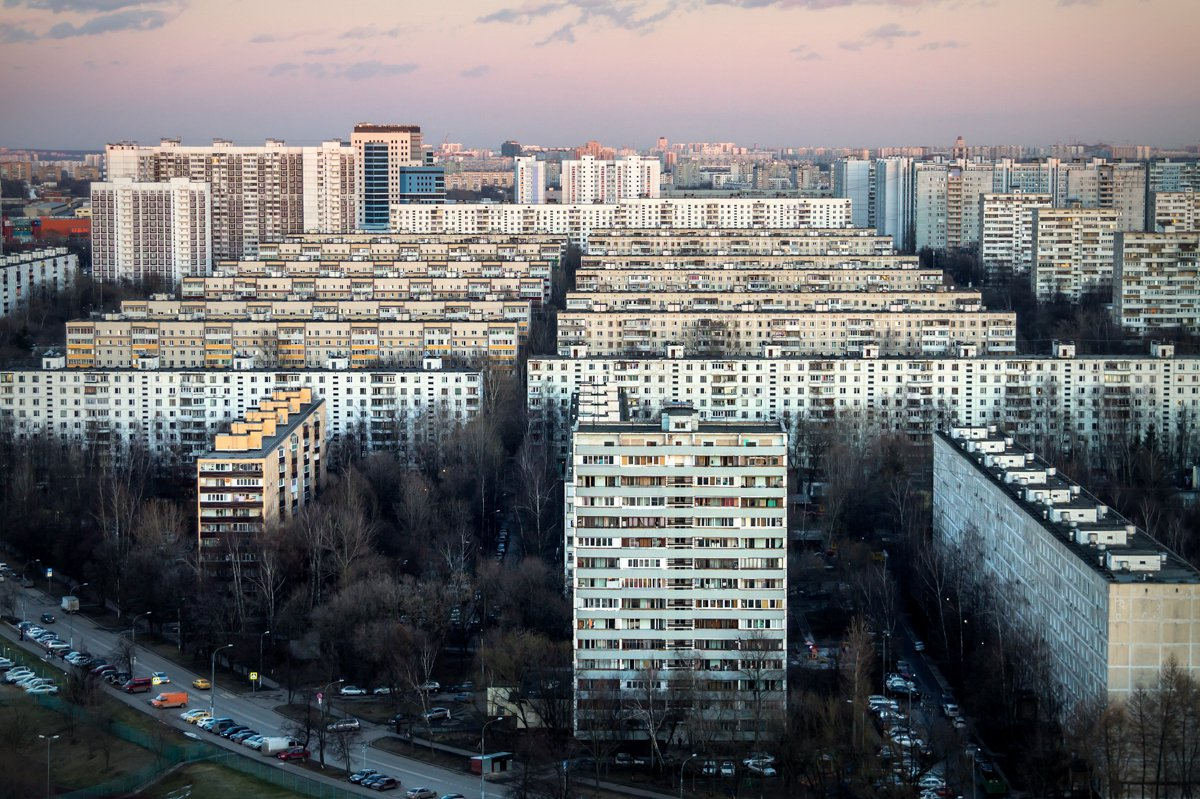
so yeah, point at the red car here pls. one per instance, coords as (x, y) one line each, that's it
(295, 753)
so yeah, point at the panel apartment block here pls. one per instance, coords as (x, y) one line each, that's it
(175, 411)
(807, 242)
(1006, 232)
(1157, 283)
(676, 551)
(779, 300)
(1177, 210)
(23, 274)
(1072, 252)
(818, 274)
(263, 472)
(146, 230)
(1111, 604)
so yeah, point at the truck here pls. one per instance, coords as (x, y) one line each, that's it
(274, 745)
(70, 604)
(170, 699)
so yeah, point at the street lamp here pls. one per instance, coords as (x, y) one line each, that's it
(681, 768)
(48, 739)
(260, 659)
(212, 682)
(483, 753)
(79, 587)
(325, 714)
(133, 646)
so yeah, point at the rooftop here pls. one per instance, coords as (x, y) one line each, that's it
(1094, 532)
(280, 415)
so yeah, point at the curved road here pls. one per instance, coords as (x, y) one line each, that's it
(256, 713)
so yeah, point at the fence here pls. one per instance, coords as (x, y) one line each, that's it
(170, 755)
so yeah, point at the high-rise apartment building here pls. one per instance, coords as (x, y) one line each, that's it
(1072, 251)
(1122, 187)
(23, 274)
(529, 180)
(676, 554)
(143, 230)
(258, 192)
(1176, 210)
(590, 180)
(1068, 577)
(931, 211)
(893, 213)
(264, 471)
(1006, 232)
(380, 151)
(852, 180)
(1156, 282)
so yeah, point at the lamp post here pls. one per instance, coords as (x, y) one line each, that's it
(48, 739)
(79, 587)
(483, 753)
(260, 659)
(325, 714)
(681, 768)
(133, 646)
(212, 682)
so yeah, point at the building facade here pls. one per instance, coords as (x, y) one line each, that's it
(143, 230)
(260, 474)
(24, 274)
(1072, 252)
(1176, 210)
(1006, 232)
(379, 153)
(1105, 604)
(676, 551)
(529, 180)
(1156, 283)
(590, 180)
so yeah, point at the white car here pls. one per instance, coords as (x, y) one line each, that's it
(34, 683)
(19, 673)
(48, 688)
(382, 690)
(760, 767)
(352, 690)
(932, 781)
(5, 663)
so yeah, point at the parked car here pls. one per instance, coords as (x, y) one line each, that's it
(760, 768)
(436, 713)
(208, 723)
(362, 774)
(49, 688)
(243, 735)
(5, 663)
(453, 796)
(201, 684)
(352, 690)
(47, 618)
(102, 669)
(461, 687)
(463, 696)
(18, 673)
(342, 725)
(137, 685)
(727, 769)
(950, 708)
(421, 793)
(384, 783)
(382, 690)
(919, 645)
(294, 753)
(116, 678)
(430, 687)
(627, 759)
(252, 741)
(233, 729)
(194, 716)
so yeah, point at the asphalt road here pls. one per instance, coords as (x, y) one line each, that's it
(256, 712)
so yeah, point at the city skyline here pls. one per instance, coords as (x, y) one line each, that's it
(784, 73)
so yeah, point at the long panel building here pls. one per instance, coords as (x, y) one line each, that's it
(1111, 605)
(1157, 283)
(24, 274)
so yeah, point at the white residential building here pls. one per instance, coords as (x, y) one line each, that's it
(931, 207)
(676, 552)
(853, 181)
(1122, 187)
(894, 200)
(151, 230)
(258, 192)
(23, 274)
(1006, 233)
(1156, 282)
(1072, 251)
(1110, 605)
(577, 221)
(529, 180)
(1064, 398)
(179, 410)
(1177, 210)
(591, 180)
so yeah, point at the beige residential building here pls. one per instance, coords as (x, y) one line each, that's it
(474, 180)
(1156, 283)
(944, 299)
(1110, 605)
(1072, 252)
(1176, 210)
(304, 343)
(806, 242)
(833, 274)
(261, 473)
(328, 285)
(787, 333)
(1006, 232)
(415, 246)
(676, 552)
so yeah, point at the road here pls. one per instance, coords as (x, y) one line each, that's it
(256, 712)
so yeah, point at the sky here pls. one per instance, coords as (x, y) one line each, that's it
(777, 73)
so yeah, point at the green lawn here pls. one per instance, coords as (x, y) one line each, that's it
(210, 781)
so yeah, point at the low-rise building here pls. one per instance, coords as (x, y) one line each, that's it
(676, 554)
(1109, 605)
(23, 274)
(264, 471)
(1157, 283)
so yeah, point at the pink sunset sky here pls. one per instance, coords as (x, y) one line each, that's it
(78, 73)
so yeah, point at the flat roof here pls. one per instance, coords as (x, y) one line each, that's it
(294, 421)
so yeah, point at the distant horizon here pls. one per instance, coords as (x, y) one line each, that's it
(81, 73)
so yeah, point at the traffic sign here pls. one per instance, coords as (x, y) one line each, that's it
(49, 572)
(320, 697)
(254, 676)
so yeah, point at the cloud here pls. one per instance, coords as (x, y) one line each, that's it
(564, 34)
(359, 70)
(369, 32)
(11, 34)
(79, 6)
(475, 72)
(889, 33)
(129, 20)
(525, 13)
(949, 44)
(803, 53)
(321, 51)
(817, 5)
(631, 15)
